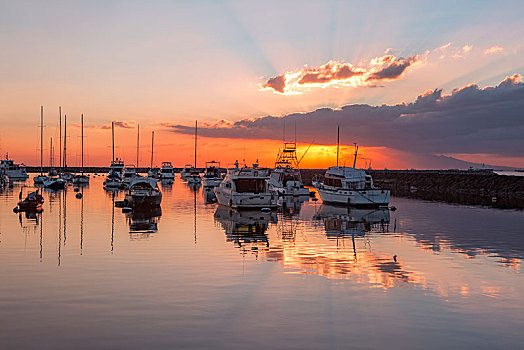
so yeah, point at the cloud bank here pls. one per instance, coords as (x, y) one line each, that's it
(378, 69)
(471, 120)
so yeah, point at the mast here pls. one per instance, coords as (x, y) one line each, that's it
(41, 140)
(152, 142)
(355, 159)
(113, 139)
(137, 144)
(82, 119)
(338, 141)
(196, 127)
(65, 139)
(60, 146)
(51, 154)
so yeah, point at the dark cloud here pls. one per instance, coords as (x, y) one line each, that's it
(393, 70)
(277, 83)
(469, 120)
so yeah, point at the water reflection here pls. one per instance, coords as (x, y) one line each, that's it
(209, 195)
(245, 228)
(142, 222)
(342, 221)
(290, 205)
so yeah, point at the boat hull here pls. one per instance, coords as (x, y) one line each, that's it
(357, 198)
(211, 181)
(245, 200)
(55, 184)
(137, 201)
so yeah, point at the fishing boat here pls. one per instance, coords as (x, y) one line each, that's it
(246, 188)
(285, 178)
(11, 170)
(350, 186)
(212, 176)
(32, 202)
(55, 183)
(39, 179)
(143, 192)
(166, 172)
(81, 179)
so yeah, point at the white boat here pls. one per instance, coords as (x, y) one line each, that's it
(117, 166)
(246, 188)
(213, 176)
(113, 180)
(129, 174)
(153, 173)
(188, 169)
(81, 179)
(67, 176)
(194, 178)
(11, 170)
(285, 179)
(143, 192)
(166, 171)
(39, 179)
(350, 186)
(55, 183)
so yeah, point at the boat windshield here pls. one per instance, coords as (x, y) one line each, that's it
(250, 185)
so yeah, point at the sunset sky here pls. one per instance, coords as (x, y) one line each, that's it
(415, 84)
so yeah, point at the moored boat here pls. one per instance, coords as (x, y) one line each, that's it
(166, 172)
(194, 178)
(285, 178)
(32, 202)
(246, 188)
(143, 192)
(11, 170)
(55, 183)
(212, 176)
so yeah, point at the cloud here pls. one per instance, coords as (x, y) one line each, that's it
(470, 120)
(118, 124)
(333, 73)
(493, 49)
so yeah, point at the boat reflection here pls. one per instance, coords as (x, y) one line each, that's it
(194, 186)
(209, 195)
(143, 222)
(167, 185)
(245, 228)
(344, 221)
(290, 205)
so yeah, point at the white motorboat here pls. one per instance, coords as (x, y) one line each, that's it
(246, 188)
(117, 166)
(184, 174)
(113, 180)
(129, 174)
(285, 179)
(55, 183)
(213, 176)
(11, 170)
(166, 171)
(350, 186)
(143, 192)
(194, 178)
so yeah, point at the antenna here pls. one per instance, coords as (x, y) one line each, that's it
(152, 142)
(65, 139)
(82, 120)
(41, 140)
(113, 138)
(338, 141)
(60, 145)
(137, 144)
(196, 127)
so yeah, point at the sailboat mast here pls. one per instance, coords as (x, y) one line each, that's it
(65, 140)
(82, 119)
(60, 126)
(113, 139)
(355, 159)
(41, 140)
(152, 142)
(338, 141)
(196, 127)
(137, 144)
(51, 154)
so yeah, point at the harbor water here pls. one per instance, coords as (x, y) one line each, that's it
(84, 275)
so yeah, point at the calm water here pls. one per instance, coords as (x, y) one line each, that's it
(84, 275)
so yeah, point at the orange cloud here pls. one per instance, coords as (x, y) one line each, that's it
(384, 68)
(118, 124)
(493, 49)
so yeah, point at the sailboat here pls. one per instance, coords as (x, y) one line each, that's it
(114, 178)
(350, 186)
(38, 180)
(65, 174)
(152, 172)
(80, 179)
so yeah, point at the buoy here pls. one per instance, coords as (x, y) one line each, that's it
(16, 210)
(393, 208)
(79, 195)
(77, 189)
